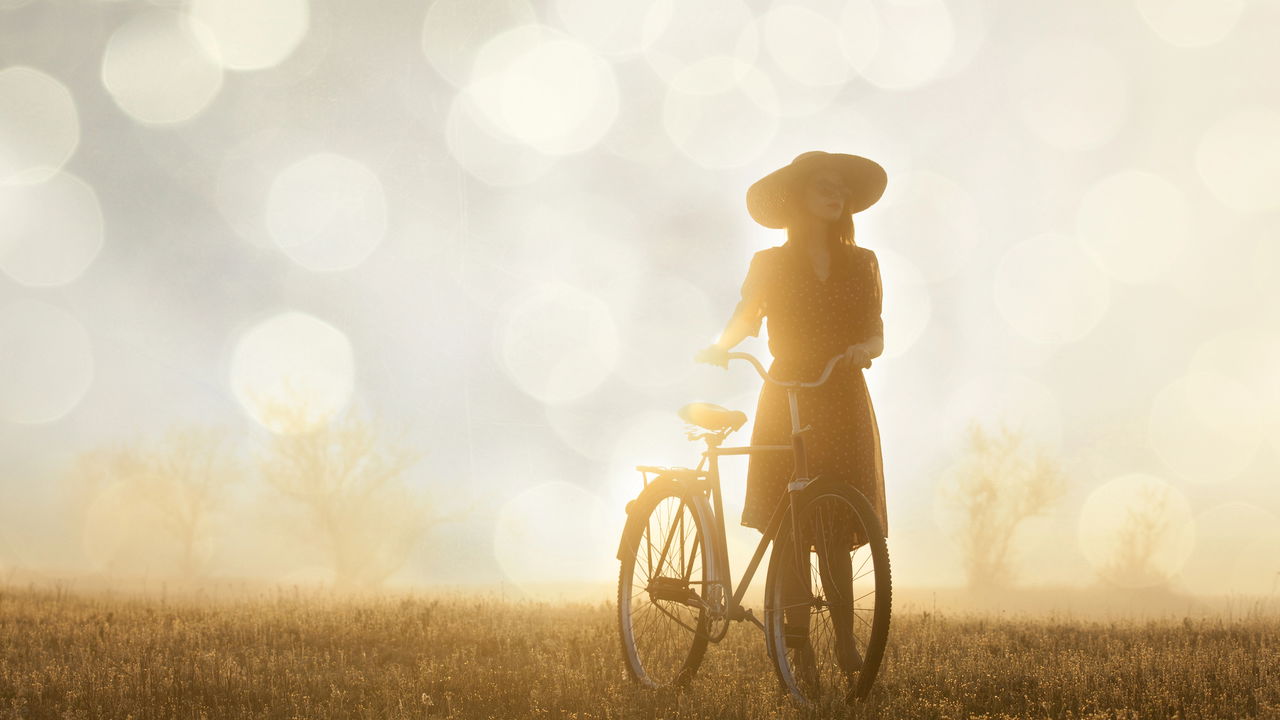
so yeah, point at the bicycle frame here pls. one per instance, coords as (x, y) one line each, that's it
(711, 457)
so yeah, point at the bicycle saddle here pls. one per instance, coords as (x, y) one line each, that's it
(712, 417)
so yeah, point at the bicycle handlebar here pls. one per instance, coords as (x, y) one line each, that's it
(826, 373)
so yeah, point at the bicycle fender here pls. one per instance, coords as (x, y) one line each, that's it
(661, 485)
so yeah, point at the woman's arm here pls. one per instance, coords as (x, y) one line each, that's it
(861, 354)
(746, 319)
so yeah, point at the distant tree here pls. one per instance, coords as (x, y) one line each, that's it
(1140, 538)
(997, 485)
(161, 495)
(349, 480)
(184, 480)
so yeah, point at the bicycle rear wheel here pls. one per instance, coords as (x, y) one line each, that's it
(827, 606)
(665, 588)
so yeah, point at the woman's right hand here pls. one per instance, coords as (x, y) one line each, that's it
(714, 355)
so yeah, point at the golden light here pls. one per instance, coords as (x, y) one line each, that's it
(1206, 427)
(1134, 224)
(1071, 93)
(251, 34)
(115, 535)
(1239, 159)
(1251, 357)
(1190, 23)
(292, 362)
(913, 40)
(46, 362)
(327, 212)
(720, 112)
(1049, 290)
(39, 125)
(1137, 530)
(1236, 550)
(545, 89)
(556, 533)
(52, 230)
(557, 342)
(158, 69)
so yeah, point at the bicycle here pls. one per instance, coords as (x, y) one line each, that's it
(676, 594)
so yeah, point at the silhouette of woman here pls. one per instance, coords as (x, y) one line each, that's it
(821, 294)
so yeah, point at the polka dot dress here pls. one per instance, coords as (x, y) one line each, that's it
(809, 320)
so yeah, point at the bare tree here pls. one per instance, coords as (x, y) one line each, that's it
(164, 493)
(1145, 531)
(998, 485)
(349, 480)
(184, 482)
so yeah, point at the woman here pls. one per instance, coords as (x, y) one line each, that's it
(822, 296)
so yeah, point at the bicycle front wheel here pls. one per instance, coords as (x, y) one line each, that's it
(665, 590)
(827, 597)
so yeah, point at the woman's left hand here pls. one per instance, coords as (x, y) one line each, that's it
(857, 356)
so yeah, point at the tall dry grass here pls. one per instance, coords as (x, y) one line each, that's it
(294, 655)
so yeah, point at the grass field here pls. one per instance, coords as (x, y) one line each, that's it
(285, 655)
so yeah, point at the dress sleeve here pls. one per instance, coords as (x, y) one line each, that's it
(751, 308)
(875, 323)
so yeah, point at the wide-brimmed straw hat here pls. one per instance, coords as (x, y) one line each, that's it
(769, 198)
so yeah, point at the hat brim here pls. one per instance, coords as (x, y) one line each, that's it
(769, 198)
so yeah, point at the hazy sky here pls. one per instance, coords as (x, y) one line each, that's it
(504, 228)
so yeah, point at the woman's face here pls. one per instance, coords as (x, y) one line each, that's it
(825, 195)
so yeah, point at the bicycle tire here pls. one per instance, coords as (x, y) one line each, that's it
(819, 497)
(677, 635)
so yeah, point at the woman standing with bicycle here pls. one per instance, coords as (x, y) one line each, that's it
(821, 294)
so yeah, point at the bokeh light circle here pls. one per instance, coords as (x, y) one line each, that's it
(484, 149)
(1134, 225)
(1239, 159)
(1191, 23)
(327, 212)
(557, 342)
(1232, 554)
(545, 89)
(805, 44)
(251, 34)
(934, 222)
(673, 318)
(46, 362)
(614, 29)
(39, 125)
(1137, 530)
(292, 372)
(51, 232)
(1072, 95)
(1049, 291)
(1251, 357)
(898, 44)
(679, 35)
(721, 112)
(552, 534)
(158, 69)
(1023, 405)
(453, 31)
(1206, 427)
